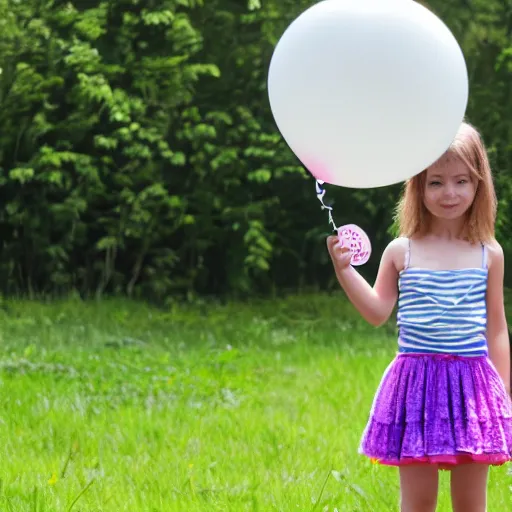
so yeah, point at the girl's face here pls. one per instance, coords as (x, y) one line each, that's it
(449, 189)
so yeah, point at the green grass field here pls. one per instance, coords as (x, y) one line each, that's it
(117, 406)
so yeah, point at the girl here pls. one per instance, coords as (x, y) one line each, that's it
(443, 403)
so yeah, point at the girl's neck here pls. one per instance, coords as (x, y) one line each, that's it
(448, 230)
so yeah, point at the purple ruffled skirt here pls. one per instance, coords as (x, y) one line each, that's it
(439, 409)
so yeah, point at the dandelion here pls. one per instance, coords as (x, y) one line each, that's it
(53, 479)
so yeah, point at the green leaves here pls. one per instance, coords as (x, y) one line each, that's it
(164, 17)
(139, 154)
(21, 174)
(91, 24)
(259, 247)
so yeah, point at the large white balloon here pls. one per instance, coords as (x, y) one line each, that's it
(367, 93)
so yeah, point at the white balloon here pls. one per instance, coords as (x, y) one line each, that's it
(367, 93)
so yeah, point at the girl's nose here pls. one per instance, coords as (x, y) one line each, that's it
(449, 190)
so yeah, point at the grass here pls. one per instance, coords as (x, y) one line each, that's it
(117, 406)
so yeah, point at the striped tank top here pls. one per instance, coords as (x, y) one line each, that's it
(443, 311)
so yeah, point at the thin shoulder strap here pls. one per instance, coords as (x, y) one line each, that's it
(484, 256)
(407, 258)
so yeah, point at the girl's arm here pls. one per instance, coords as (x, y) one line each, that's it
(374, 303)
(497, 331)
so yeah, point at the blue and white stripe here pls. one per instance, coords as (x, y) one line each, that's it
(443, 311)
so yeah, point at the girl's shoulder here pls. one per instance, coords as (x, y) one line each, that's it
(399, 245)
(494, 246)
(397, 252)
(495, 252)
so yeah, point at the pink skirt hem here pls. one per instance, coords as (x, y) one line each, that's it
(447, 461)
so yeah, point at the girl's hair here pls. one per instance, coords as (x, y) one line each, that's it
(414, 219)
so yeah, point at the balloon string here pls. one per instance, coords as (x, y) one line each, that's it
(320, 193)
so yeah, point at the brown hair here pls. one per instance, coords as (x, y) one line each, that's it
(413, 217)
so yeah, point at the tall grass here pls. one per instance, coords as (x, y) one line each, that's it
(118, 406)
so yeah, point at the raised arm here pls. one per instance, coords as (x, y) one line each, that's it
(497, 331)
(374, 303)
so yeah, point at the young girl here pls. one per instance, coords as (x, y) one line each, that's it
(443, 403)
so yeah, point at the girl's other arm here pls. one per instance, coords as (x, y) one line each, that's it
(497, 331)
(375, 304)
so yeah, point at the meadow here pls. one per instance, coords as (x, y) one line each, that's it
(121, 406)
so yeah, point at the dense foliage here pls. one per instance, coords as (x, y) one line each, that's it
(138, 153)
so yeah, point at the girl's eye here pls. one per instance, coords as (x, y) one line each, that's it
(462, 182)
(434, 183)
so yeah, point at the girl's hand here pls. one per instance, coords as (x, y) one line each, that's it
(341, 256)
